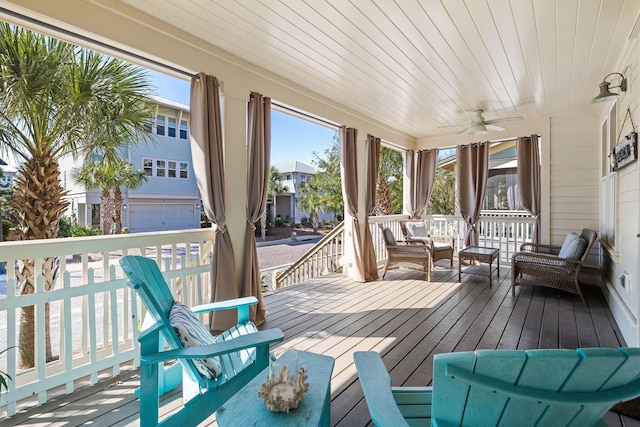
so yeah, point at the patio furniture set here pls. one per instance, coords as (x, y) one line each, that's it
(225, 374)
(550, 266)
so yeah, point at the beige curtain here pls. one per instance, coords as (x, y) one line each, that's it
(348, 170)
(208, 163)
(471, 181)
(410, 182)
(258, 162)
(425, 177)
(528, 152)
(372, 154)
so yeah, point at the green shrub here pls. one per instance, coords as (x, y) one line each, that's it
(279, 221)
(304, 220)
(6, 229)
(68, 228)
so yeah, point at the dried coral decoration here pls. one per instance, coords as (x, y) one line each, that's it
(282, 391)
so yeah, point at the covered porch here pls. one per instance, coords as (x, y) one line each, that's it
(548, 76)
(404, 318)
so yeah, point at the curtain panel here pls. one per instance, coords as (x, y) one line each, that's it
(348, 171)
(424, 179)
(409, 182)
(208, 163)
(471, 180)
(528, 155)
(372, 154)
(258, 163)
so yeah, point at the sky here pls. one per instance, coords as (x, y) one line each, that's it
(291, 138)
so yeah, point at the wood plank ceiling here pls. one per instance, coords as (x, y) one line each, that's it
(421, 65)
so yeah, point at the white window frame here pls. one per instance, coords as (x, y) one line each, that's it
(174, 127)
(609, 179)
(180, 168)
(186, 129)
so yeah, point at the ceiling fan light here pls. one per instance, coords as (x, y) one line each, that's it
(477, 129)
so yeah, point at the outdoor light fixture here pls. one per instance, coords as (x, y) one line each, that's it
(605, 94)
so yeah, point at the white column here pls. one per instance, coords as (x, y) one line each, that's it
(235, 155)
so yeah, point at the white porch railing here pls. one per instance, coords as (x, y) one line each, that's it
(505, 230)
(323, 258)
(94, 317)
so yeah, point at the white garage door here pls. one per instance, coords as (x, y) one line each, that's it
(150, 217)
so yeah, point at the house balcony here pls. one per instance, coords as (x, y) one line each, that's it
(404, 317)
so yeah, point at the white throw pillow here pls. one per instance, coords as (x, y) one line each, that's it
(416, 229)
(192, 332)
(569, 246)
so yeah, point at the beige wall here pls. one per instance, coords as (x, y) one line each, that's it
(622, 258)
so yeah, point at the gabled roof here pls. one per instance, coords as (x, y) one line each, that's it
(168, 103)
(294, 166)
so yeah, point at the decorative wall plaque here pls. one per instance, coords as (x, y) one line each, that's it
(625, 152)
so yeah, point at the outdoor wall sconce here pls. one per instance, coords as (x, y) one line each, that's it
(605, 94)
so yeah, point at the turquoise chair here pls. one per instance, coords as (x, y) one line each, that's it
(242, 352)
(506, 388)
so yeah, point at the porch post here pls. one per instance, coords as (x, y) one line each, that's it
(235, 148)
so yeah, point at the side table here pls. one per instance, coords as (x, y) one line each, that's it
(245, 408)
(480, 254)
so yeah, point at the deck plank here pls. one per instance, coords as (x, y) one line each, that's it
(405, 318)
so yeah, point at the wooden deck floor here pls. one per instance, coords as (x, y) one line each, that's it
(404, 318)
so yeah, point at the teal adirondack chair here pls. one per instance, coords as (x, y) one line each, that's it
(241, 353)
(505, 387)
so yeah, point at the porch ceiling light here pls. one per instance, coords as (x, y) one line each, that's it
(605, 94)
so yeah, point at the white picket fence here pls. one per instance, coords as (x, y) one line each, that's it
(94, 317)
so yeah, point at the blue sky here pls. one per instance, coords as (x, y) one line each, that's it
(291, 138)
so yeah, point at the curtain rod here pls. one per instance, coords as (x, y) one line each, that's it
(302, 114)
(92, 42)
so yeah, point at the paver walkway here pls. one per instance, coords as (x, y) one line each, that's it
(283, 252)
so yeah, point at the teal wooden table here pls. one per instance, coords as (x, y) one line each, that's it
(247, 409)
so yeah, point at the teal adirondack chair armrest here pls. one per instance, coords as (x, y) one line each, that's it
(242, 304)
(256, 339)
(376, 385)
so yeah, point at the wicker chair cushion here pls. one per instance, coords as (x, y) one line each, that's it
(389, 238)
(416, 229)
(573, 247)
(438, 246)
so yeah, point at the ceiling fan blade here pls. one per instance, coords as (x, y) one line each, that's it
(505, 119)
(494, 127)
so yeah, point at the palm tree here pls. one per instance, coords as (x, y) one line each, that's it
(127, 177)
(56, 99)
(311, 201)
(276, 187)
(95, 176)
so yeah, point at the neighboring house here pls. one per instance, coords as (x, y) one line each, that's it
(502, 191)
(169, 199)
(8, 173)
(293, 175)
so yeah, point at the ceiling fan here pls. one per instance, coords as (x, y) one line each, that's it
(480, 126)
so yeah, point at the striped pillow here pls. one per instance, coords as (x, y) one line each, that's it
(192, 332)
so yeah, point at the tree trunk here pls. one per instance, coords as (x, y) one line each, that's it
(117, 209)
(39, 205)
(106, 208)
(263, 226)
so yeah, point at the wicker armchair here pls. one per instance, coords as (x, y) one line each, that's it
(440, 247)
(403, 255)
(540, 265)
